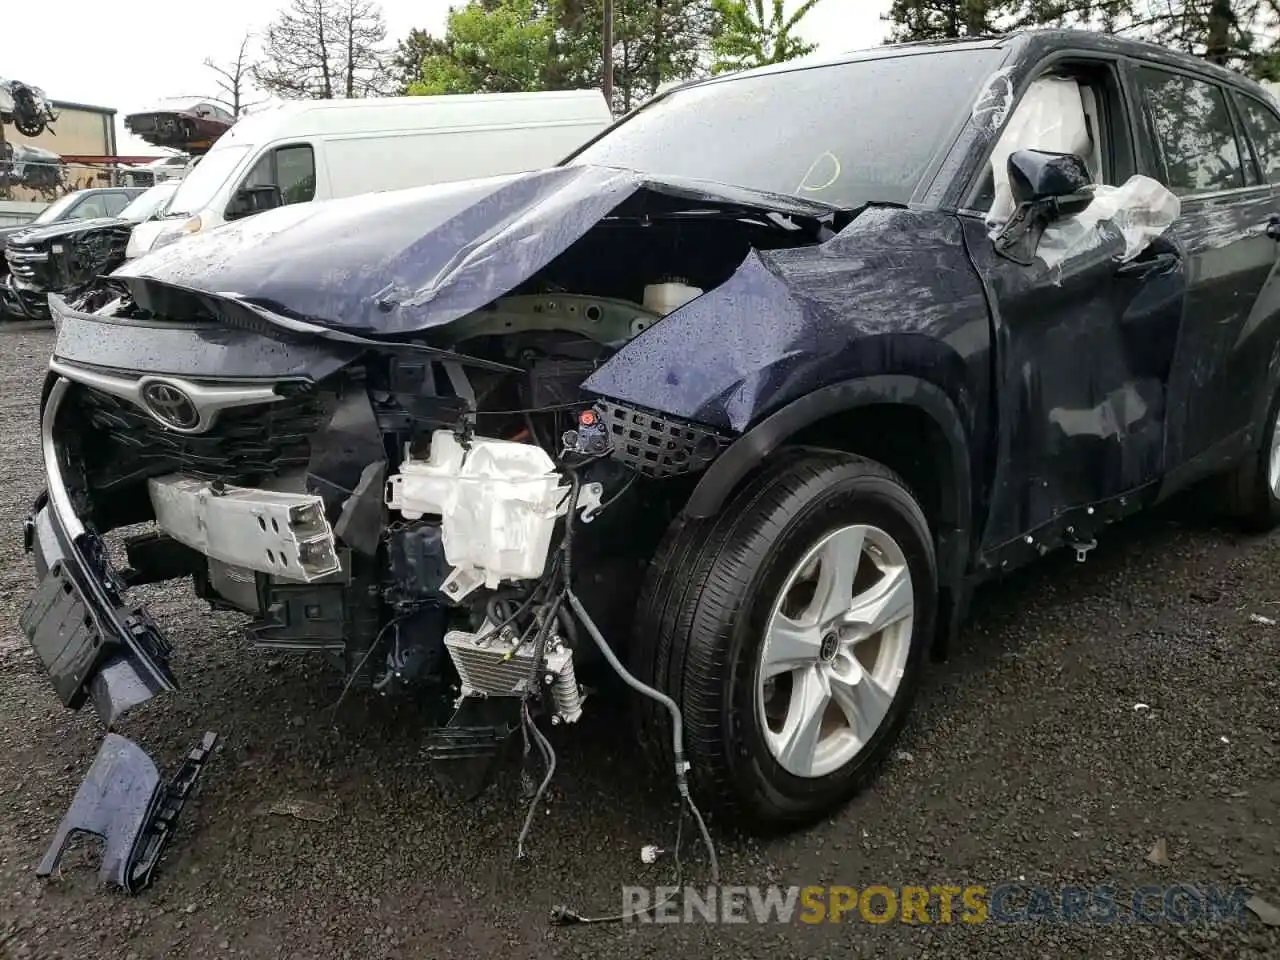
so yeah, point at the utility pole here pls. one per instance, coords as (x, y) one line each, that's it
(607, 51)
(4, 166)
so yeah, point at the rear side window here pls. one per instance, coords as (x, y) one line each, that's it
(1194, 136)
(1263, 128)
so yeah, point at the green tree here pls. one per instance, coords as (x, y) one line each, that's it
(947, 19)
(491, 47)
(745, 37)
(501, 45)
(1241, 34)
(657, 41)
(406, 62)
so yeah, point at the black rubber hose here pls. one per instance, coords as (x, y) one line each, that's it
(677, 724)
(566, 544)
(570, 628)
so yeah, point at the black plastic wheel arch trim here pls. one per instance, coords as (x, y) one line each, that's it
(750, 449)
(954, 533)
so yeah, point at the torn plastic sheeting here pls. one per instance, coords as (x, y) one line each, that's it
(1050, 117)
(1113, 417)
(1140, 210)
(993, 103)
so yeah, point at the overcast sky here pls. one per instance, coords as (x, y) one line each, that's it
(126, 56)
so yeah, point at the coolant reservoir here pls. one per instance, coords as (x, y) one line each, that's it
(662, 298)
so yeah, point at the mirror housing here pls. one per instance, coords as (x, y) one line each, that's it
(1059, 179)
(1046, 187)
(250, 200)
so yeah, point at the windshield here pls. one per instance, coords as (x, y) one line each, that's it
(204, 181)
(147, 204)
(53, 211)
(843, 134)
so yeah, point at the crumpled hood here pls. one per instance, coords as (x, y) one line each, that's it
(7, 232)
(65, 228)
(399, 262)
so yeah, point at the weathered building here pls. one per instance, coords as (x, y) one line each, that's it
(81, 130)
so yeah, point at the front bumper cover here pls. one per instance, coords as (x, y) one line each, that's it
(96, 647)
(24, 303)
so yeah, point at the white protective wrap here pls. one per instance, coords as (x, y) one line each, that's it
(1142, 209)
(1052, 117)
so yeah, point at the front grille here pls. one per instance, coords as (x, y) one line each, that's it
(27, 263)
(122, 444)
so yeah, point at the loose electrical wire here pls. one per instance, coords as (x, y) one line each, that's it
(550, 408)
(549, 756)
(394, 622)
(617, 496)
(677, 725)
(560, 569)
(563, 914)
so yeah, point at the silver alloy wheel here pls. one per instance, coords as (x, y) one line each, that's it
(1273, 468)
(835, 648)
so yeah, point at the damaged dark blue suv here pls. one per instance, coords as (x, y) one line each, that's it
(738, 403)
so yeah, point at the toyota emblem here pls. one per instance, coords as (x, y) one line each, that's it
(171, 406)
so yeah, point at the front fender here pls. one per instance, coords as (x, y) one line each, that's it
(892, 294)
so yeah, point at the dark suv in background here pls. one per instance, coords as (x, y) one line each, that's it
(740, 402)
(90, 204)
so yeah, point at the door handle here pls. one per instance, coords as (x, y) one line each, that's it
(1159, 263)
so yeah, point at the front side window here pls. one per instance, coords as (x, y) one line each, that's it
(206, 178)
(1193, 133)
(1263, 128)
(291, 168)
(58, 210)
(92, 207)
(113, 203)
(1059, 113)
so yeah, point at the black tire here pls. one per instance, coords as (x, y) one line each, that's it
(699, 630)
(1249, 495)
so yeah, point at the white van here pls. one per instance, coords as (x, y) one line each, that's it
(324, 149)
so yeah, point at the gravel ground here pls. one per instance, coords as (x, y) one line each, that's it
(1025, 758)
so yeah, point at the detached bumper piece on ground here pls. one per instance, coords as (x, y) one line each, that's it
(124, 802)
(95, 647)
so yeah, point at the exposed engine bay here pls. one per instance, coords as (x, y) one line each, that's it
(407, 517)
(457, 523)
(460, 508)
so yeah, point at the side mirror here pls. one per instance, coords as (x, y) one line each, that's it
(250, 200)
(1060, 181)
(1045, 186)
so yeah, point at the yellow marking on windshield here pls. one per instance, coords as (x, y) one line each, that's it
(804, 181)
